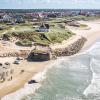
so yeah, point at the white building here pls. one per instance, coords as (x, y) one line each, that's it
(43, 28)
(7, 18)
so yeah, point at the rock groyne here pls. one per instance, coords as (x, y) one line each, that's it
(21, 53)
(66, 50)
(71, 49)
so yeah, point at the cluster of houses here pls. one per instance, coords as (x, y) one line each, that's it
(45, 15)
(9, 18)
(62, 13)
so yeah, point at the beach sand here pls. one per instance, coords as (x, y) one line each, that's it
(19, 79)
(32, 68)
(91, 34)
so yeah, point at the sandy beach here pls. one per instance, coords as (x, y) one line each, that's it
(32, 68)
(91, 34)
(19, 79)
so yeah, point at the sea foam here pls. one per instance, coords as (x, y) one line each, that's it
(28, 88)
(94, 87)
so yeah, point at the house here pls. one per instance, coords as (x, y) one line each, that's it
(7, 18)
(19, 20)
(43, 28)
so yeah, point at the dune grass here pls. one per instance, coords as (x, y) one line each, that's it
(27, 35)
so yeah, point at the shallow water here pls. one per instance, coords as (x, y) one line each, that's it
(71, 78)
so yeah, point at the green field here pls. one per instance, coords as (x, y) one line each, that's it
(27, 35)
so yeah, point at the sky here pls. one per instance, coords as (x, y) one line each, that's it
(50, 4)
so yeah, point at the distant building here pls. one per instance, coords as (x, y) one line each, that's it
(52, 15)
(7, 18)
(19, 20)
(1, 20)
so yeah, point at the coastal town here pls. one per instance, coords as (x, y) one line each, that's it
(32, 37)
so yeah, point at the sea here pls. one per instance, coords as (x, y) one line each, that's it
(68, 78)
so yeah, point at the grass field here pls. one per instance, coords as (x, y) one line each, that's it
(26, 34)
(55, 35)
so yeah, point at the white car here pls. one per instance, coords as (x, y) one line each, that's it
(16, 62)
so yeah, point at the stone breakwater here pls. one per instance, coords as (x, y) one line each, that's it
(61, 50)
(21, 53)
(71, 49)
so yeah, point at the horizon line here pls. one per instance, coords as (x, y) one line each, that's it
(50, 8)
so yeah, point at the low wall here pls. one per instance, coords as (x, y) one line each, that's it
(70, 49)
(21, 53)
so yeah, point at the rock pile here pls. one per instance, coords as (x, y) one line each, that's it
(71, 49)
(21, 53)
(52, 54)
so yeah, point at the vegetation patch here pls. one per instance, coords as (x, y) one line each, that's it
(39, 51)
(24, 43)
(83, 25)
(27, 35)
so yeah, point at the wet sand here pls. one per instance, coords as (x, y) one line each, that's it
(19, 79)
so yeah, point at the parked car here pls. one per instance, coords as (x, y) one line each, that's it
(19, 58)
(16, 62)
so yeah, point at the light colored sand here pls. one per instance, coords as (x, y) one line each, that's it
(92, 34)
(7, 59)
(19, 79)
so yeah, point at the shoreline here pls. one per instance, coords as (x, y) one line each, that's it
(91, 35)
(19, 81)
(31, 88)
(30, 70)
(41, 66)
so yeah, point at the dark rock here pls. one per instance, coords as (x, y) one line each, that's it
(32, 81)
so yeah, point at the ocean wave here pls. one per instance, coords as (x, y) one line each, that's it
(94, 87)
(93, 90)
(30, 88)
